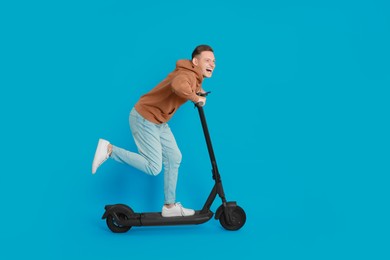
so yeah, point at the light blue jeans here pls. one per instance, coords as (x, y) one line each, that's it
(156, 148)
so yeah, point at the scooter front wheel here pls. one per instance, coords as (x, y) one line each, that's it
(116, 227)
(237, 217)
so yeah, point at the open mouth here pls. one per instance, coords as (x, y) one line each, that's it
(209, 70)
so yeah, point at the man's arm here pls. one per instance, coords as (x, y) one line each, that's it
(181, 86)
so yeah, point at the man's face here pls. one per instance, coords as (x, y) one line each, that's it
(206, 61)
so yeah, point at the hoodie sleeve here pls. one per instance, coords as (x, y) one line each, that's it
(181, 86)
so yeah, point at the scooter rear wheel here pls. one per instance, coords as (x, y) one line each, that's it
(238, 218)
(116, 227)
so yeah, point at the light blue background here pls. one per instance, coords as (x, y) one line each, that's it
(298, 116)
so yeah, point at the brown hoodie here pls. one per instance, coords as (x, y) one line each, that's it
(181, 85)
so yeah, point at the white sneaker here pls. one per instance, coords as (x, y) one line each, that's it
(101, 155)
(177, 211)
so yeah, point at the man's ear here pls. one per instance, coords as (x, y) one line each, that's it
(195, 61)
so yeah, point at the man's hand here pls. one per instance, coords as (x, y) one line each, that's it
(201, 101)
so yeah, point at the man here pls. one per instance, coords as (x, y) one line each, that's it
(149, 118)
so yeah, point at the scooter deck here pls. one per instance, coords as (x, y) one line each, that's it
(156, 219)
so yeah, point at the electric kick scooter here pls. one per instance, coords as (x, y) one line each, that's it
(120, 218)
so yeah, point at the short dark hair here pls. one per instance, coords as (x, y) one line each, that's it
(199, 49)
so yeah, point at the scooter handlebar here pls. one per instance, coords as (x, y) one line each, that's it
(201, 94)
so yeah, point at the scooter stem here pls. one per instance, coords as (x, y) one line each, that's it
(206, 132)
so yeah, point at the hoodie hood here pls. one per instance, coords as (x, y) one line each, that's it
(188, 65)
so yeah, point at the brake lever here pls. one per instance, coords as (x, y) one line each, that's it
(203, 94)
